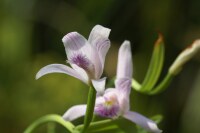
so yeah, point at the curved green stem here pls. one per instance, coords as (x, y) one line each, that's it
(136, 85)
(50, 118)
(90, 108)
(163, 85)
(158, 89)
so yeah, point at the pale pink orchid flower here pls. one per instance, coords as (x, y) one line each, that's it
(114, 102)
(86, 57)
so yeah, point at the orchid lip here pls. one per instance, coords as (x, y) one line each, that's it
(81, 61)
(107, 110)
(108, 106)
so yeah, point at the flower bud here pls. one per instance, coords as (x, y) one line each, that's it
(184, 57)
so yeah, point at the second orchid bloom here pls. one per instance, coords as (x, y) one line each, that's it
(114, 102)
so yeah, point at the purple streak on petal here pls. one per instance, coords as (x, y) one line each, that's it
(75, 112)
(59, 68)
(142, 121)
(124, 66)
(82, 54)
(123, 85)
(81, 61)
(75, 43)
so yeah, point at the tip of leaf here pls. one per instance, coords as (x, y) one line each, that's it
(159, 41)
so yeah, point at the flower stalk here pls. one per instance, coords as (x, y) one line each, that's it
(90, 108)
(163, 84)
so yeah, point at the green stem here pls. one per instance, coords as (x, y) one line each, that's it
(95, 124)
(90, 108)
(163, 85)
(50, 118)
(136, 84)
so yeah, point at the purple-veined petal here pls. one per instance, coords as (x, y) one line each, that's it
(107, 105)
(75, 112)
(76, 44)
(124, 66)
(80, 54)
(99, 85)
(59, 68)
(142, 121)
(99, 39)
(123, 85)
(124, 75)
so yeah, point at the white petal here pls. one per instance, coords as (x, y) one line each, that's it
(97, 64)
(98, 30)
(76, 44)
(81, 72)
(99, 39)
(59, 68)
(75, 112)
(124, 66)
(99, 100)
(142, 121)
(99, 85)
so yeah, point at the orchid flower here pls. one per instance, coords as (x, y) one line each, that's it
(114, 102)
(86, 57)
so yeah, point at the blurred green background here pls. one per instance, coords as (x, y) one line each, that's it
(30, 38)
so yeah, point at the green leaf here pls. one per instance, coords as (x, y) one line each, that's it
(90, 108)
(50, 118)
(154, 69)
